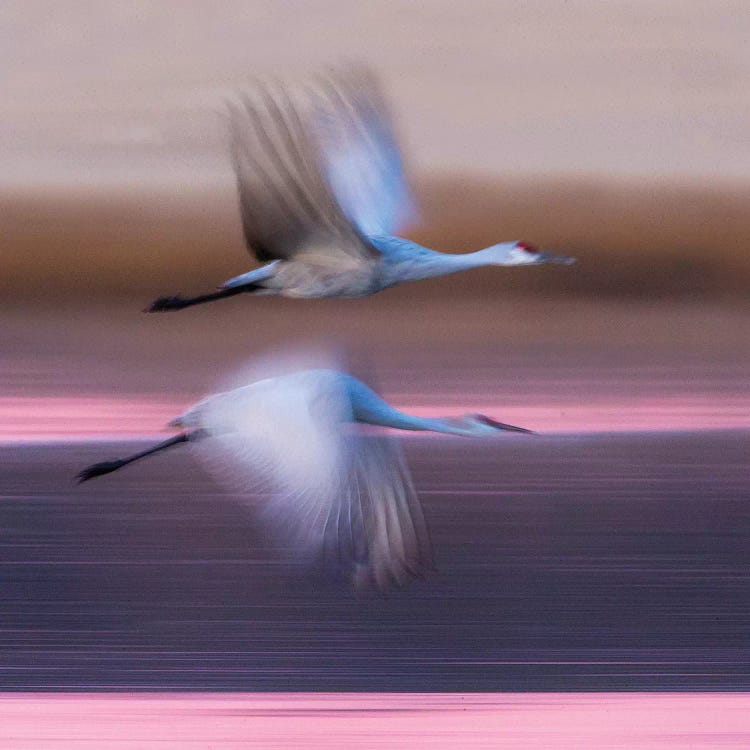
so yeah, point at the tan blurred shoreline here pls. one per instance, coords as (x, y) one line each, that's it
(644, 239)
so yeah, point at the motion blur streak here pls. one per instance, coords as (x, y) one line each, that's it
(576, 562)
(331, 721)
(25, 420)
(587, 561)
(660, 239)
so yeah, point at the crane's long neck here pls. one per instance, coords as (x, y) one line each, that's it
(442, 264)
(369, 408)
(402, 421)
(404, 260)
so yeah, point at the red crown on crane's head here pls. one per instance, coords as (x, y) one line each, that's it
(527, 247)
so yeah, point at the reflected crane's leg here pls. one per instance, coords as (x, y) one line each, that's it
(106, 467)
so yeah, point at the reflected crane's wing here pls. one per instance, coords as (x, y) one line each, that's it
(286, 203)
(361, 157)
(376, 526)
(325, 490)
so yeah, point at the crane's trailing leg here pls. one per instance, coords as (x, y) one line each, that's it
(164, 304)
(107, 467)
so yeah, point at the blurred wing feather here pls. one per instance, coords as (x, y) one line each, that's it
(361, 157)
(326, 492)
(386, 532)
(286, 204)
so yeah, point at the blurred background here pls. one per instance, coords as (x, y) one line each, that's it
(612, 131)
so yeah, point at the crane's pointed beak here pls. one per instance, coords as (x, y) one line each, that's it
(562, 260)
(502, 425)
(513, 428)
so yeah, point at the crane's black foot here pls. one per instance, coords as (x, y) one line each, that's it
(96, 470)
(164, 304)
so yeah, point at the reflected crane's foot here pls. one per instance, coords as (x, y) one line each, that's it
(96, 470)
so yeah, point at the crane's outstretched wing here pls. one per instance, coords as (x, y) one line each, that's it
(360, 155)
(375, 526)
(324, 489)
(286, 202)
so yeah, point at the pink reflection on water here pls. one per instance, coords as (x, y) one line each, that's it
(85, 418)
(636, 721)
(64, 418)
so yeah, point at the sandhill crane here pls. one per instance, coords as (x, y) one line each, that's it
(292, 442)
(322, 191)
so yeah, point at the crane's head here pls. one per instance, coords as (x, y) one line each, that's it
(479, 425)
(524, 254)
